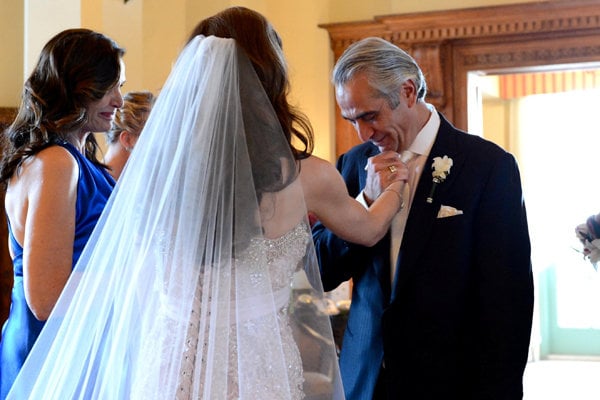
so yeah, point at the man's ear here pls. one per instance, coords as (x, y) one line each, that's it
(408, 91)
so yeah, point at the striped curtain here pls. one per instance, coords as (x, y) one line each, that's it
(519, 85)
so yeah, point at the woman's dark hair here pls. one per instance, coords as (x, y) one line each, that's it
(261, 43)
(75, 68)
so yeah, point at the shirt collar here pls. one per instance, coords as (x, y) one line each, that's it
(426, 136)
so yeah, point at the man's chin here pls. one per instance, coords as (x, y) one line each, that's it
(385, 148)
(386, 145)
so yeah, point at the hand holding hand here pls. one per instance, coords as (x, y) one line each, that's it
(383, 170)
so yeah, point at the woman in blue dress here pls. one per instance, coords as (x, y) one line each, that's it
(56, 188)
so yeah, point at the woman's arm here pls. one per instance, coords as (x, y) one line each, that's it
(50, 188)
(327, 197)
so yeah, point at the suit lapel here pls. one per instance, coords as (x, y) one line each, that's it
(423, 214)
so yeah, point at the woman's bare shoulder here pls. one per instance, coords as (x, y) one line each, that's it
(316, 172)
(317, 166)
(52, 163)
(56, 154)
(320, 181)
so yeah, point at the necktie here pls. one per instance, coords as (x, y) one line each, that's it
(399, 221)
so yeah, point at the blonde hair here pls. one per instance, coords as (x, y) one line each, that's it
(132, 116)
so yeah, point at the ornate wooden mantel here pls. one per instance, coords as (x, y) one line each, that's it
(450, 44)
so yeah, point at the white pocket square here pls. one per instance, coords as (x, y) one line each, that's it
(447, 211)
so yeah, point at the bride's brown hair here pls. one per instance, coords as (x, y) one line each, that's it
(261, 43)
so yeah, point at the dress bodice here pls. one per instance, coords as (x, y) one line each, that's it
(274, 261)
(257, 314)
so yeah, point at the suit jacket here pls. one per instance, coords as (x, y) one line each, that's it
(456, 322)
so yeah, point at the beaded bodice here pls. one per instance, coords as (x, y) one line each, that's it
(247, 345)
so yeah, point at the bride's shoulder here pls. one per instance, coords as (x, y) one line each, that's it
(313, 161)
(316, 170)
(320, 180)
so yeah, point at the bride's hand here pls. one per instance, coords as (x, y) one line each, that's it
(384, 170)
(396, 186)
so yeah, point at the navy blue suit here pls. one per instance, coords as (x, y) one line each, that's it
(456, 322)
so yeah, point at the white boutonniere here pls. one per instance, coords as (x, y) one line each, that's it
(441, 169)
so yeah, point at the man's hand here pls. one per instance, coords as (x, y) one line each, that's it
(382, 170)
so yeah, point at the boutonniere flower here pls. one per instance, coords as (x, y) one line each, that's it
(441, 169)
(589, 236)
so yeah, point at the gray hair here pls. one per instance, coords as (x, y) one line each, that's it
(386, 67)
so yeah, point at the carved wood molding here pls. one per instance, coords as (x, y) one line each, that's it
(535, 56)
(524, 18)
(504, 20)
(449, 44)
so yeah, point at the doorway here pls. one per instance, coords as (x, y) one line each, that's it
(548, 121)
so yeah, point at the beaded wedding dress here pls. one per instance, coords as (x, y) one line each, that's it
(282, 256)
(200, 280)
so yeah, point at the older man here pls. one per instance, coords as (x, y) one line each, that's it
(441, 307)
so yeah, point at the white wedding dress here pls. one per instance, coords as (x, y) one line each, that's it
(188, 287)
(284, 256)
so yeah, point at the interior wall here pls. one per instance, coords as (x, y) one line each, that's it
(39, 27)
(124, 23)
(11, 48)
(353, 10)
(153, 33)
(495, 116)
(309, 61)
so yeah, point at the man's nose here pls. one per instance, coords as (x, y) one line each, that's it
(365, 132)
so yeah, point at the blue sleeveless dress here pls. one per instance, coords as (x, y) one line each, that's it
(21, 329)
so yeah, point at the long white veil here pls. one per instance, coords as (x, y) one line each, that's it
(200, 280)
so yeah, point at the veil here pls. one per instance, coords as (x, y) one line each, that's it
(200, 281)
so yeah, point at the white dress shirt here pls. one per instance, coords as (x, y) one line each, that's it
(419, 150)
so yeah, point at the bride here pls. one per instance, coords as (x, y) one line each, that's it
(201, 281)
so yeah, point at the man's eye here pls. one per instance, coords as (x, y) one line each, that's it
(369, 117)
